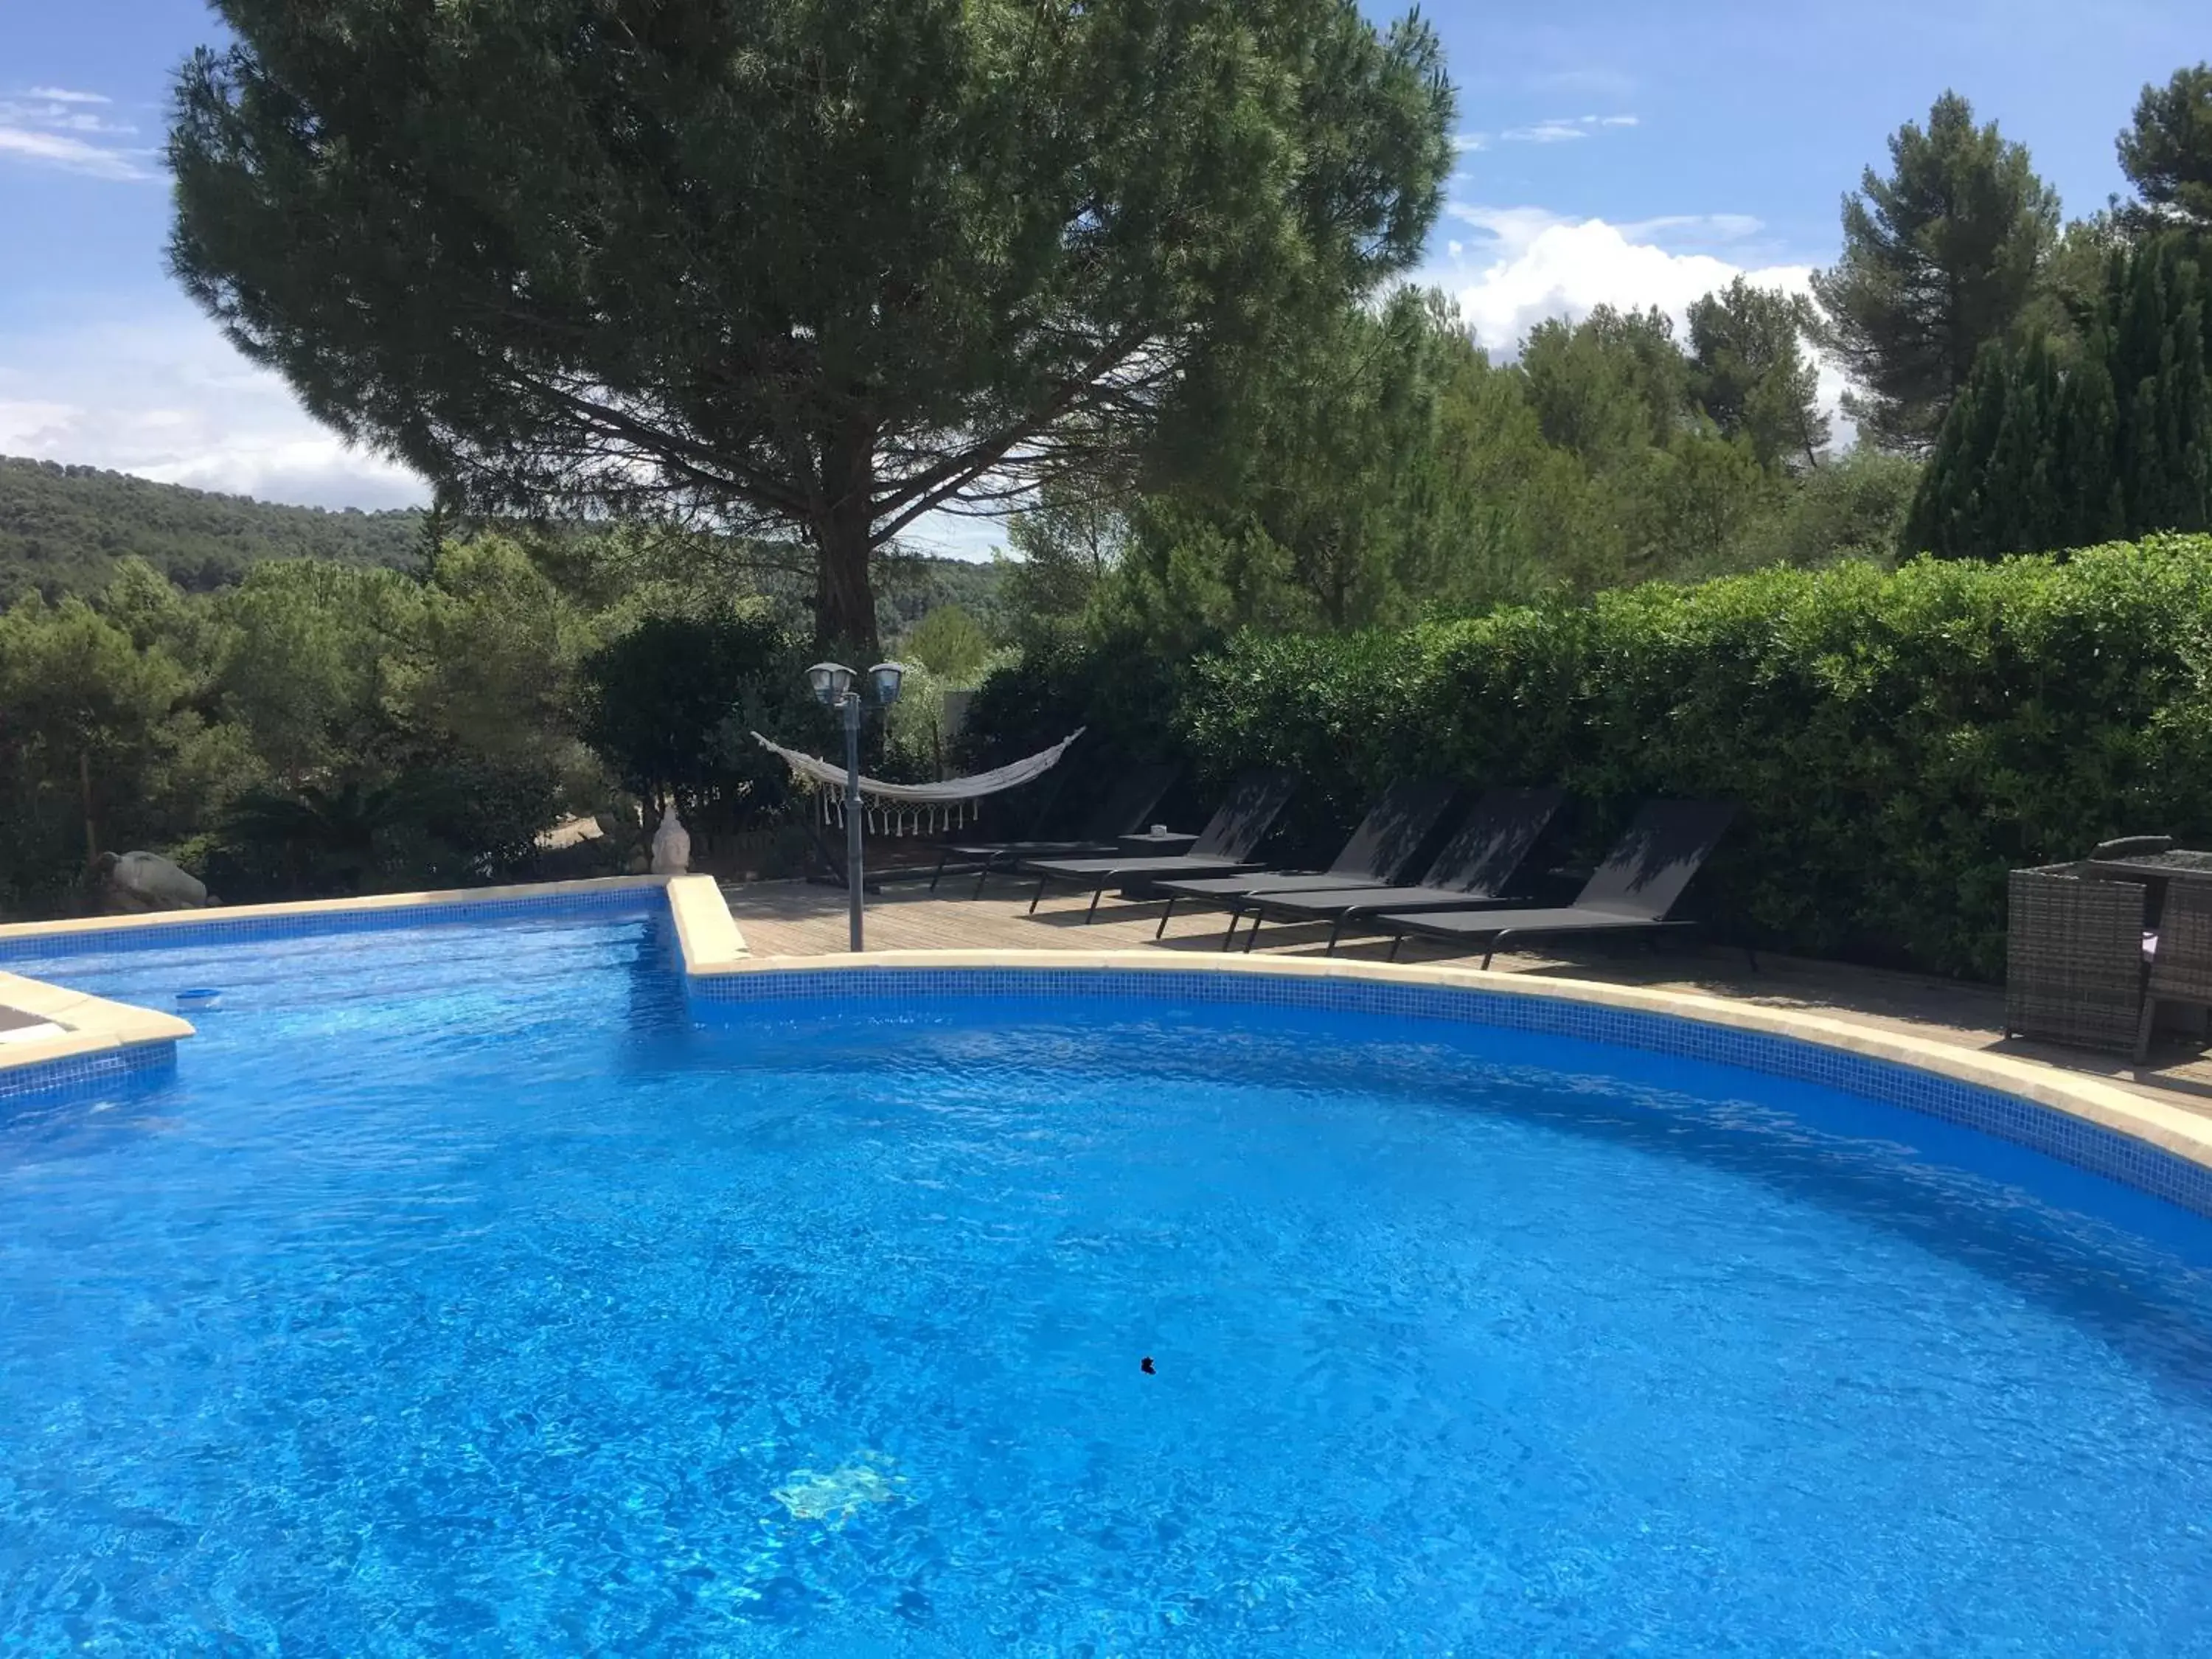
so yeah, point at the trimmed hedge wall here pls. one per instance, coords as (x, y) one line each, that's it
(1899, 741)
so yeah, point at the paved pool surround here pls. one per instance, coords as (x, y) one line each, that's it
(2164, 1151)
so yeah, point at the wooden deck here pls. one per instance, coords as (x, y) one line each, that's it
(794, 919)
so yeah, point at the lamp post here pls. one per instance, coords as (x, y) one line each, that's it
(833, 684)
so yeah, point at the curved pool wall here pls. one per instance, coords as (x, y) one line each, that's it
(2163, 1150)
(1576, 1010)
(105, 1042)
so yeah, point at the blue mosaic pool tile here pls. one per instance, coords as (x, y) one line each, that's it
(2055, 1133)
(85, 1074)
(215, 925)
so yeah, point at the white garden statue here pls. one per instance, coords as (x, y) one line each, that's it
(671, 845)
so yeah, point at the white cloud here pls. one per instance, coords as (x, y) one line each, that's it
(167, 397)
(1530, 264)
(1564, 130)
(71, 155)
(1698, 228)
(60, 116)
(1464, 142)
(1545, 133)
(58, 129)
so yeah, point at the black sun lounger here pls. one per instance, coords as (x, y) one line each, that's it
(1394, 832)
(1633, 890)
(1224, 848)
(1122, 810)
(1475, 865)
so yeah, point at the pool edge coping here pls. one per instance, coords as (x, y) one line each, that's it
(90, 1025)
(75, 927)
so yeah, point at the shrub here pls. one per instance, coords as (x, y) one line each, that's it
(1899, 741)
(951, 644)
(1126, 696)
(93, 727)
(669, 706)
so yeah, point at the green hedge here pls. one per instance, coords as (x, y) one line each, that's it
(1899, 741)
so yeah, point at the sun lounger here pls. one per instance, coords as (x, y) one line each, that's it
(1389, 838)
(1635, 891)
(1476, 863)
(1224, 847)
(1123, 809)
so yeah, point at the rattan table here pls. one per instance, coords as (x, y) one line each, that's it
(2156, 871)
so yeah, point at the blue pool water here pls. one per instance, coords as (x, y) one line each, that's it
(460, 1294)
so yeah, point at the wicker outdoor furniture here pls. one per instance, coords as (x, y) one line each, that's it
(2181, 967)
(2074, 958)
(2132, 847)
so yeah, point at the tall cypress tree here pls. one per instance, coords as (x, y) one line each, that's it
(2016, 487)
(2185, 400)
(2140, 345)
(2193, 392)
(2165, 403)
(2037, 457)
(2085, 485)
(1950, 515)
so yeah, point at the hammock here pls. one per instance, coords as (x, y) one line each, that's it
(906, 809)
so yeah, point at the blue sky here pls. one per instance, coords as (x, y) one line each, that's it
(1616, 151)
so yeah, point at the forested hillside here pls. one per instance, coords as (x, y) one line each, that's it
(64, 528)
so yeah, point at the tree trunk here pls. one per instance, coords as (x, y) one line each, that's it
(844, 588)
(845, 596)
(91, 835)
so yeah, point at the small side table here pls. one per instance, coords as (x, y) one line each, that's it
(1166, 844)
(1169, 844)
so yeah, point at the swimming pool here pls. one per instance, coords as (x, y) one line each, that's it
(466, 1290)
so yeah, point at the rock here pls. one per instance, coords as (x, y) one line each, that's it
(147, 881)
(636, 865)
(568, 833)
(671, 845)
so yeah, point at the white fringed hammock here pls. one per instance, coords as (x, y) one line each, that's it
(910, 809)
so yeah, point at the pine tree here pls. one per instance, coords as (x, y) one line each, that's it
(1751, 373)
(1940, 258)
(792, 268)
(2167, 153)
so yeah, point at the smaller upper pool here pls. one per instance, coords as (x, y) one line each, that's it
(466, 1291)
